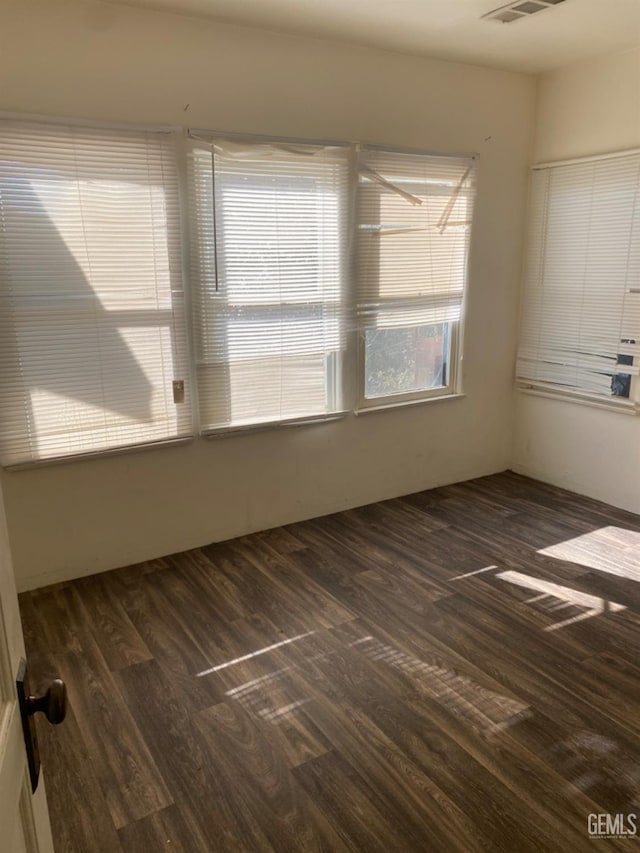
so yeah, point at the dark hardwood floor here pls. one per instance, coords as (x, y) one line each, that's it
(457, 670)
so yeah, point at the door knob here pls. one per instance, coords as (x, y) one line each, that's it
(53, 704)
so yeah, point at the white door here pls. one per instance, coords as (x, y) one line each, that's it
(24, 819)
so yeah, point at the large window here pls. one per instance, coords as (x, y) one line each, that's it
(268, 271)
(414, 219)
(92, 338)
(580, 330)
(96, 353)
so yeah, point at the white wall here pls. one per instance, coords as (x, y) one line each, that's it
(589, 108)
(87, 59)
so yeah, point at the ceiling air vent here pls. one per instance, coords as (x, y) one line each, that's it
(520, 9)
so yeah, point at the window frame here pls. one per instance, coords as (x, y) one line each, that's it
(628, 405)
(171, 316)
(453, 387)
(336, 361)
(427, 395)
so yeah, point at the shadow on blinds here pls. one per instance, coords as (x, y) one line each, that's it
(66, 346)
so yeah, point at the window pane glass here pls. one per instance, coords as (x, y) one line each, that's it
(402, 360)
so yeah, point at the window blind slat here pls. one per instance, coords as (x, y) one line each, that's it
(92, 331)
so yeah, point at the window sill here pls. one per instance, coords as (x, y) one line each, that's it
(98, 454)
(620, 405)
(243, 429)
(365, 410)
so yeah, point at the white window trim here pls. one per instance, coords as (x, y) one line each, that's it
(100, 454)
(420, 401)
(454, 387)
(429, 395)
(274, 425)
(331, 169)
(175, 133)
(621, 405)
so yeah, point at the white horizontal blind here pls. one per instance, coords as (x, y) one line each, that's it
(92, 331)
(414, 218)
(581, 308)
(268, 268)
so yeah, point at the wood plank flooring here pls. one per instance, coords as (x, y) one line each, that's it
(457, 670)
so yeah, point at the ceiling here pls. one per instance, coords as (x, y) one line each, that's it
(444, 29)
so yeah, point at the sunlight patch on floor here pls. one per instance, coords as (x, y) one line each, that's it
(256, 683)
(269, 696)
(471, 574)
(284, 711)
(482, 707)
(614, 550)
(253, 654)
(559, 598)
